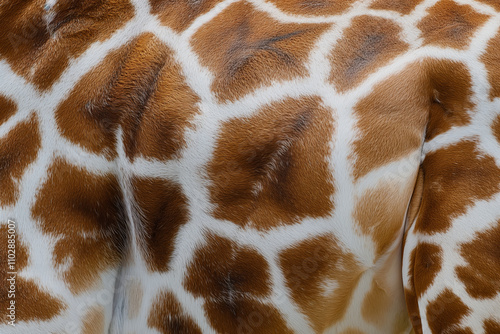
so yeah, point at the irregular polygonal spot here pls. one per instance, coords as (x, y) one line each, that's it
(491, 59)
(380, 213)
(482, 257)
(139, 86)
(313, 7)
(455, 177)
(491, 326)
(178, 15)
(163, 209)
(39, 44)
(445, 312)
(18, 149)
(403, 6)
(496, 128)
(168, 317)
(7, 108)
(246, 49)
(93, 321)
(450, 25)
(93, 206)
(32, 302)
(391, 120)
(451, 86)
(321, 277)
(271, 168)
(426, 264)
(230, 278)
(367, 44)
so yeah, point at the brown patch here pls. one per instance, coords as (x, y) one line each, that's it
(496, 128)
(391, 128)
(449, 24)
(491, 59)
(380, 214)
(452, 94)
(93, 206)
(41, 52)
(163, 209)
(482, 255)
(230, 278)
(93, 321)
(140, 86)
(246, 50)
(178, 15)
(270, 168)
(18, 149)
(311, 264)
(32, 302)
(7, 108)
(494, 3)
(367, 44)
(413, 310)
(415, 202)
(168, 317)
(375, 303)
(491, 326)
(427, 264)
(352, 331)
(445, 312)
(135, 295)
(469, 174)
(404, 7)
(313, 7)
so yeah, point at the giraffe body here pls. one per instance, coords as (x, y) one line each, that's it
(255, 166)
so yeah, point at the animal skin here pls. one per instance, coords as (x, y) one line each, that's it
(249, 166)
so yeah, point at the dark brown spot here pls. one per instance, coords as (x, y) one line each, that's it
(313, 7)
(18, 149)
(270, 169)
(491, 59)
(168, 317)
(449, 24)
(179, 14)
(367, 44)
(85, 212)
(163, 211)
(491, 326)
(482, 257)
(445, 312)
(403, 6)
(471, 175)
(7, 108)
(246, 50)
(311, 263)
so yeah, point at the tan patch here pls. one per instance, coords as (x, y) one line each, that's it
(93, 321)
(404, 7)
(135, 295)
(445, 312)
(93, 206)
(482, 255)
(413, 310)
(7, 108)
(367, 44)
(313, 7)
(178, 15)
(449, 24)
(311, 264)
(415, 202)
(491, 59)
(391, 120)
(270, 168)
(491, 326)
(141, 86)
(246, 49)
(163, 209)
(469, 175)
(352, 331)
(451, 86)
(32, 302)
(168, 317)
(380, 214)
(18, 149)
(40, 52)
(230, 278)
(375, 303)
